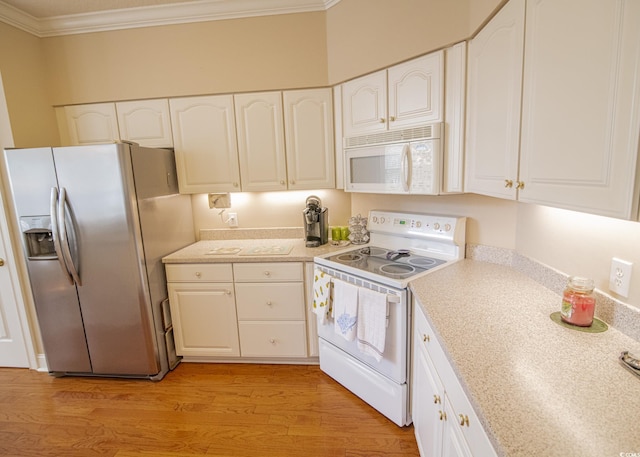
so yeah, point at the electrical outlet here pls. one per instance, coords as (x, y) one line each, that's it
(233, 220)
(620, 277)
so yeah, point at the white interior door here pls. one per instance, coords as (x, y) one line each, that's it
(13, 344)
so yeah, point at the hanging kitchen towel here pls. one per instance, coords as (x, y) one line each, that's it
(372, 322)
(321, 295)
(345, 309)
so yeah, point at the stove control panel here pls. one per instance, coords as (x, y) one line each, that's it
(415, 224)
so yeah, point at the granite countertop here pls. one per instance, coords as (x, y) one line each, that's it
(199, 251)
(538, 387)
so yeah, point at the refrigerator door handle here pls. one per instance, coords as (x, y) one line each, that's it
(64, 242)
(55, 234)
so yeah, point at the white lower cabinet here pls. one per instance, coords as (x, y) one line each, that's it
(271, 310)
(203, 310)
(238, 310)
(444, 421)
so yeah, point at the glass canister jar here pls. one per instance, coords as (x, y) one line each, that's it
(578, 302)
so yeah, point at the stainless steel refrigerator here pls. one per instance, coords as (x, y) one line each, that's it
(96, 222)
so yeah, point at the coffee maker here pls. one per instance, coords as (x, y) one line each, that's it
(316, 223)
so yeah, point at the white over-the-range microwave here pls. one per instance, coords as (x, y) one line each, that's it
(395, 162)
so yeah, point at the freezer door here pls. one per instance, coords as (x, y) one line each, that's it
(113, 290)
(31, 177)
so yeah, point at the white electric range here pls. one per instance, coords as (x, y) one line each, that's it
(402, 247)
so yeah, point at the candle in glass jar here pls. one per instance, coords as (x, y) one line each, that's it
(578, 302)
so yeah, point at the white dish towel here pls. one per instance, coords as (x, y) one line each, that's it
(372, 322)
(321, 295)
(345, 309)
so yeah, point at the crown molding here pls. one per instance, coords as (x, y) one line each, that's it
(149, 16)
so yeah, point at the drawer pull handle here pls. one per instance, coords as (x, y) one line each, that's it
(269, 303)
(464, 420)
(436, 399)
(272, 340)
(267, 273)
(508, 183)
(443, 415)
(227, 291)
(426, 338)
(198, 274)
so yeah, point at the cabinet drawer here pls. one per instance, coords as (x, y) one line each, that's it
(194, 272)
(272, 339)
(266, 272)
(272, 301)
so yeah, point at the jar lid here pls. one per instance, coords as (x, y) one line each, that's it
(581, 284)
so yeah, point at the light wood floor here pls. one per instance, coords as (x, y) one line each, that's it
(198, 409)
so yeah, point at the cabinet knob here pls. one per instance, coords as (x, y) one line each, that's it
(269, 303)
(198, 274)
(436, 399)
(292, 182)
(508, 183)
(382, 121)
(267, 273)
(520, 185)
(235, 184)
(443, 415)
(392, 118)
(1, 262)
(272, 340)
(282, 182)
(228, 292)
(464, 419)
(426, 338)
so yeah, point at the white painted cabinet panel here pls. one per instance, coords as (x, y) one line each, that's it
(494, 102)
(581, 105)
(146, 122)
(205, 144)
(402, 96)
(261, 145)
(308, 127)
(91, 124)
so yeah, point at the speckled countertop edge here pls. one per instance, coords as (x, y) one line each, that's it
(538, 388)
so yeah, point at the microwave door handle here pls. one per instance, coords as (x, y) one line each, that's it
(64, 242)
(406, 167)
(55, 234)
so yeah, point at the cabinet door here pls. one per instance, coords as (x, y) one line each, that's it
(453, 441)
(494, 94)
(204, 319)
(261, 141)
(308, 127)
(205, 144)
(364, 104)
(145, 122)
(580, 119)
(427, 402)
(416, 91)
(92, 124)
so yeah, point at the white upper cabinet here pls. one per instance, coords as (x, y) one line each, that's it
(205, 144)
(573, 140)
(261, 141)
(308, 128)
(285, 140)
(146, 122)
(95, 123)
(493, 110)
(581, 105)
(402, 96)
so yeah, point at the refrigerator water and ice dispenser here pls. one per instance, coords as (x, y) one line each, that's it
(38, 237)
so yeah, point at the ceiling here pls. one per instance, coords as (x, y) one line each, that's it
(64, 17)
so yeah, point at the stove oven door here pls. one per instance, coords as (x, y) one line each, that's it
(394, 361)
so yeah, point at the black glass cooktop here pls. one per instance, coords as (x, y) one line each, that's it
(398, 264)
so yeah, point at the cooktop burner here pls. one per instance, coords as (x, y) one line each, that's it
(398, 264)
